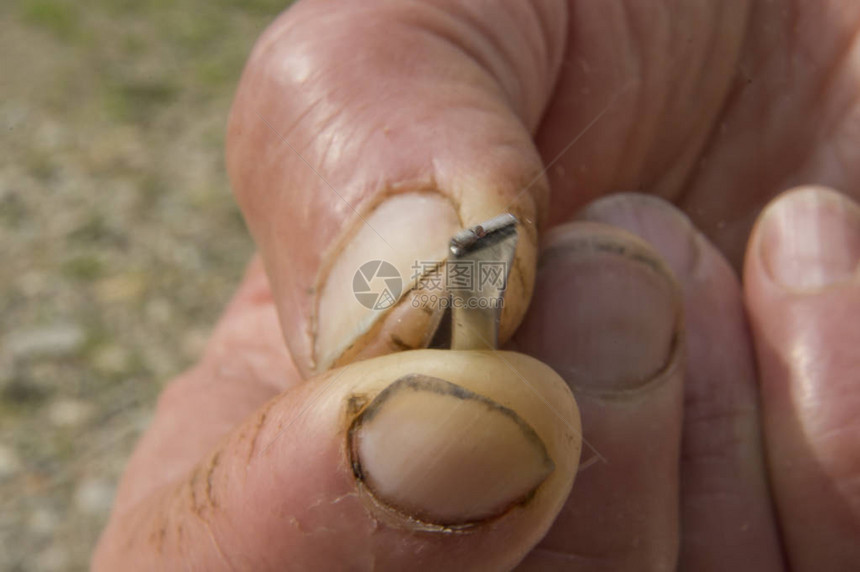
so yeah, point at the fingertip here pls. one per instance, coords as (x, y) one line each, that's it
(802, 292)
(723, 480)
(607, 310)
(462, 457)
(467, 439)
(418, 460)
(607, 314)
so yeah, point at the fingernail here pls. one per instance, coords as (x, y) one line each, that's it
(440, 454)
(375, 268)
(606, 313)
(810, 239)
(654, 220)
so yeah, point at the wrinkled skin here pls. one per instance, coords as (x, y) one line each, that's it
(717, 107)
(745, 458)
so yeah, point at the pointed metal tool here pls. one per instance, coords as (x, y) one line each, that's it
(478, 267)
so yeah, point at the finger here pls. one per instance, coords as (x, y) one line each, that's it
(423, 460)
(607, 315)
(727, 518)
(802, 279)
(373, 131)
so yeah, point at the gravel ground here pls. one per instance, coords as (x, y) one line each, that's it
(119, 241)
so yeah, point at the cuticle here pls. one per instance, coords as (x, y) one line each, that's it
(608, 246)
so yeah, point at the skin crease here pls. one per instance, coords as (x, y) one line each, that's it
(716, 106)
(776, 108)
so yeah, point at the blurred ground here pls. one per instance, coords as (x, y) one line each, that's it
(119, 241)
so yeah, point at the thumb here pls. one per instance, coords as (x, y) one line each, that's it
(374, 131)
(407, 461)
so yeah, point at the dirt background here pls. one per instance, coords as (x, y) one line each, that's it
(119, 241)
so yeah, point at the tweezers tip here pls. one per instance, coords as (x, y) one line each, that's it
(466, 239)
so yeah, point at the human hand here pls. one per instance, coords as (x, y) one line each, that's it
(343, 105)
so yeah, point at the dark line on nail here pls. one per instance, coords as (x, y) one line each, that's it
(429, 384)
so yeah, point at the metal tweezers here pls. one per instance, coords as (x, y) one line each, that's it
(487, 251)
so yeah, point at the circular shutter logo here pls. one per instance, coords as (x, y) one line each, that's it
(377, 285)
